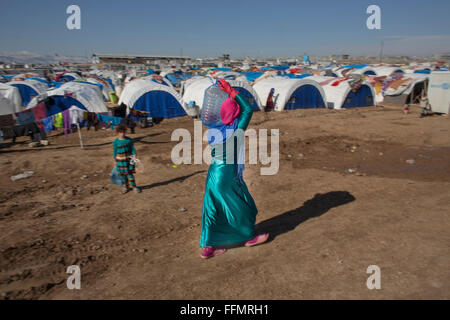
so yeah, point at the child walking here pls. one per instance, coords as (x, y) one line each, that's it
(124, 152)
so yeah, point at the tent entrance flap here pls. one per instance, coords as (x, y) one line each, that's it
(305, 97)
(159, 104)
(361, 98)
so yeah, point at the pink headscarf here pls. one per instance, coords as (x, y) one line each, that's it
(229, 111)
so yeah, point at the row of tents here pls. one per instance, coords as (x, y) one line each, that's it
(289, 94)
(354, 87)
(306, 91)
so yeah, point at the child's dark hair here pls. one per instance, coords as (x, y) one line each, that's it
(121, 128)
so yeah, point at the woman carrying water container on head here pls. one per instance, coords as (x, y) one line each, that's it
(229, 212)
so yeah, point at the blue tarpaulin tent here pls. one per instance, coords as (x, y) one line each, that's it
(278, 68)
(61, 103)
(221, 69)
(305, 97)
(424, 71)
(26, 93)
(160, 101)
(355, 66)
(29, 89)
(296, 76)
(363, 97)
(159, 104)
(252, 76)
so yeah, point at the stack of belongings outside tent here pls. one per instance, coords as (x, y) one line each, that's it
(399, 88)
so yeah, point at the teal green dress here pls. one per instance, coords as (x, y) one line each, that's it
(123, 149)
(229, 212)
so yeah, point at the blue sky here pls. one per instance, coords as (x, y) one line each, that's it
(200, 28)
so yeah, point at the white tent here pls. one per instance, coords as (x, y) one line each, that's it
(341, 96)
(136, 88)
(157, 99)
(38, 86)
(225, 74)
(407, 87)
(186, 83)
(6, 106)
(12, 94)
(285, 88)
(408, 90)
(70, 76)
(88, 95)
(29, 89)
(24, 76)
(195, 91)
(106, 88)
(115, 77)
(165, 80)
(387, 71)
(439, 92)
(364, 71)
(337, 71)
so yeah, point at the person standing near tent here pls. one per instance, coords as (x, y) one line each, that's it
(269, 103)
(124, 152)
(229, 212)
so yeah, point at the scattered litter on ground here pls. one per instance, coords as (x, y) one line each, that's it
(24, 175)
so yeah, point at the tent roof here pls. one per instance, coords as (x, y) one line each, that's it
(6, 106)
(165, 80)
(12, 93)
(195, 91)
(415, 77)
(72, 74)
(136, 88)
(363, 70)
(36, 85)
(337, 94)
(89, 95)
(386, 71)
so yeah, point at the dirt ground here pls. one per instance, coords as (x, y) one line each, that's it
(327, 224)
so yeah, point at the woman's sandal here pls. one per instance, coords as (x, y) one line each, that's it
(209, 252)
(259, 239)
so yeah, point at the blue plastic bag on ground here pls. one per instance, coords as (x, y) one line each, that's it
(116, 178)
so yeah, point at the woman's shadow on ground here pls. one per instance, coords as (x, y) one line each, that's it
(313, 208)
(288, 221)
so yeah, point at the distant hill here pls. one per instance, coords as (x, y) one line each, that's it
(36, 58)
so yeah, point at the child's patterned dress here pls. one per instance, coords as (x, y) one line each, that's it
(123, 149)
